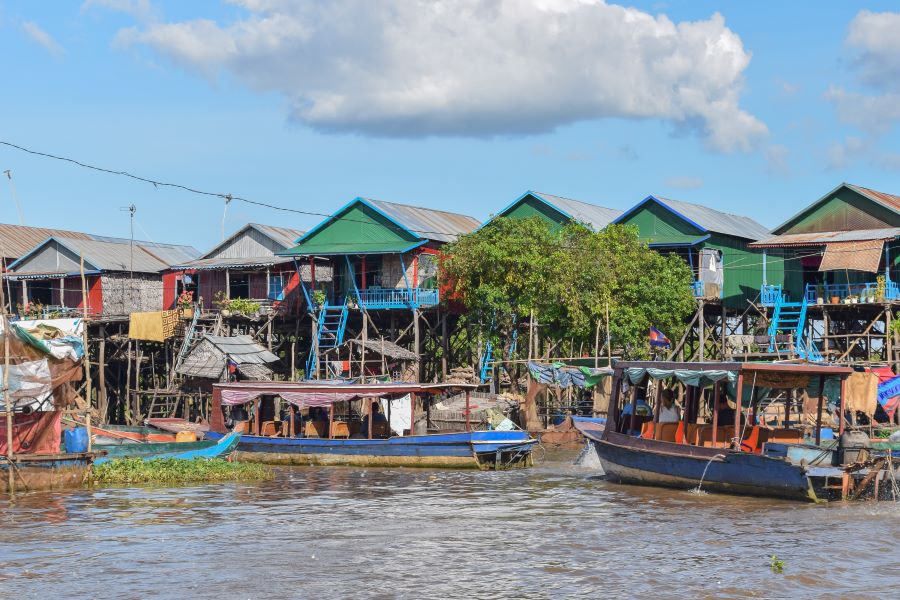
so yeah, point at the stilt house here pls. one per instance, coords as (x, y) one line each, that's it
(121, 276)
(384, 260)
(246, 265)
(715, 244)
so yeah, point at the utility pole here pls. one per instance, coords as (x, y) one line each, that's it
(12, 191)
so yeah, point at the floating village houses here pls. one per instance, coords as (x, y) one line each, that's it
(384, 257)
(121, 275)
(246, 265)
(830, 275)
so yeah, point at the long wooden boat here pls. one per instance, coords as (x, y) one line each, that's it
(749, 463)
(45, 471)
(464, 449)
(125, 434)
(222, 447)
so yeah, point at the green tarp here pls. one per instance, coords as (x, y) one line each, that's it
(686, 376)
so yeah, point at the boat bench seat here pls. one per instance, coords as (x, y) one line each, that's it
(754, 439)
(785, 436)
(666, 432)
(724, 436)
(271, 428)
(316, 429)
(691, 437)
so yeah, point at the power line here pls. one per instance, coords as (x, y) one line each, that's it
(157, 184)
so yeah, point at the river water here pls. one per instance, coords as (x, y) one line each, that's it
(554, 531)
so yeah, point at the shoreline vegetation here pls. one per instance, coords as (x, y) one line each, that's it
(172, 470)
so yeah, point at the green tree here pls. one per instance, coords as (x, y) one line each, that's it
(566, 276)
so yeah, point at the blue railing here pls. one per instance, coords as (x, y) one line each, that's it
(770, 294)
(697, 289)
(378, 298)
(862, 292)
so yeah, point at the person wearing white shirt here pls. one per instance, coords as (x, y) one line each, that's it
(668, 412)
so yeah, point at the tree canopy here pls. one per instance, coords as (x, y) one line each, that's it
(565, 276)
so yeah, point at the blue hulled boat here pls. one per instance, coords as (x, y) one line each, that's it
(728, 450)
(341, 441)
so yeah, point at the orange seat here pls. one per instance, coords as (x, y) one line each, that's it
(786, 436)
(315, 429)
(754, 439)
(724, 436)
(691, 437)
(667, 432)
(340, 429)
(270, 428)
(647, 429)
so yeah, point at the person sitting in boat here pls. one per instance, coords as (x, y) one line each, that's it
(643, 409)
(668, 411)
(726, 413)
(379, 423)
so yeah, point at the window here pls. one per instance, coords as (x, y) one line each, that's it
(238, 285)
(276, 287)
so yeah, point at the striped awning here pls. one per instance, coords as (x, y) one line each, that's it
(853, 256)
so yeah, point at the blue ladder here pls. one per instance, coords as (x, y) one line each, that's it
(791, 317)
(486, 363)
(332, 324)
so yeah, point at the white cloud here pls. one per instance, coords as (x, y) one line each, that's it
(42, 38)
(874, 37)
(473, 67)
(871, 113)
(684, 183)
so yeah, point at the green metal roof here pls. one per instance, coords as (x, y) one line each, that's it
(358, 228)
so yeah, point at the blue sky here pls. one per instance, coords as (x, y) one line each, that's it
(306, 107)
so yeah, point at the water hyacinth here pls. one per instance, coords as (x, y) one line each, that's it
(173, 470)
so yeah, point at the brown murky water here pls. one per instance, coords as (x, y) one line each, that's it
(551, 532)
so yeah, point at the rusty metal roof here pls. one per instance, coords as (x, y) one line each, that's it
(887, 200)
(17, 240)
(826, 237)
(854, 256)
(597, 217)
(427, 223)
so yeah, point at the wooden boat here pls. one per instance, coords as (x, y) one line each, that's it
(45, 471)
(713, 457)
(125, 434)
(332, 444)
(222, 447)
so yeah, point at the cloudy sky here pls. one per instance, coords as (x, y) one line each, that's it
(752, 107)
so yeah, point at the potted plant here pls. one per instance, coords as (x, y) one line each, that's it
(880, 288)
(185, 304)
(835, 300)
(319, 298)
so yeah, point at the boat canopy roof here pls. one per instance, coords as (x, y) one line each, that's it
(702, 374)
(305, 394)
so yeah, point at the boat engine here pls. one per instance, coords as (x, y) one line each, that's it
(853, 447)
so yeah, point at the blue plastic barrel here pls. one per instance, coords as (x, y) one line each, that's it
(76, 440)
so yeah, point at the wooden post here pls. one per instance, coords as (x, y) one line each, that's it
(293, 417)
(87, 353)
(445, 346)
(370, 417)
(738, 407)
(715, 423)
(362, 351)
(702, 332)
(227, 284)
(331, 421)
(418, 349)
(888, 338)
(597, 345)
(130, 417)
(294, 361)
(7, 401)
(137, 381)
(688, 396)
(102, 399)
(608, 338)
(258, 415)
(819, 410)
(842, 405)
(724, 329)
(531, 336)
(468, 404)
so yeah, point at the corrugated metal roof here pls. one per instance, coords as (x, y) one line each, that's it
(853, 256)
(285, 236)
(427, 223)
(242, 349)
(888, 200)
(223, 263)
(17, 240)
(597, 217)
(826, 237)
(114, 254)
(716, 221)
